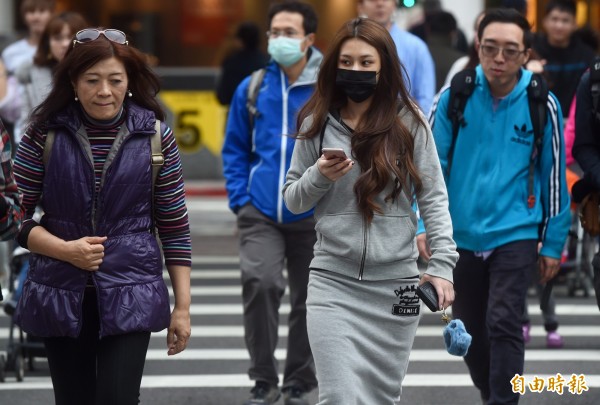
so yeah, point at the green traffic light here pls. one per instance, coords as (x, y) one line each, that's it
(408, 3)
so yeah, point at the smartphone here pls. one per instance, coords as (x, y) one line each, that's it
(332, 153)
(428, 295)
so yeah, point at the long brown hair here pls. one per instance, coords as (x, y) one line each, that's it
(381, 143)
(143, 82)
(71, 19)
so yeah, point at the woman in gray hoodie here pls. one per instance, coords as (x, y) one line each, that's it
(362, 307)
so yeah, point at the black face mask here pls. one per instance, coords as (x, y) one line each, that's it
(358, 85)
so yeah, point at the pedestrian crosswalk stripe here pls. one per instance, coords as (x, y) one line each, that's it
(207, 205)
(202, 331)
(425, 355)
(235, 291)
(238, 309)
(242, 380)
(416, 355)
(211, 274)
(199, 259)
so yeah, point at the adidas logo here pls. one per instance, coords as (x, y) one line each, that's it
(522, 134)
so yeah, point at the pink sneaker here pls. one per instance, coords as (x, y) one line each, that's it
(554, 340)
(526, 332)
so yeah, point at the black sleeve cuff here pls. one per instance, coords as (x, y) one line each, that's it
(3, 207)
(24, 233)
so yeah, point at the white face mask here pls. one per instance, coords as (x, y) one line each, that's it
(286, 51)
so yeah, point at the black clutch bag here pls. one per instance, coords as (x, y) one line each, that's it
(428, 295)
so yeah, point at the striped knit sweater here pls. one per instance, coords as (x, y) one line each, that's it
(169, 195)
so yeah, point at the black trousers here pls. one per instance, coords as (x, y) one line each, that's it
(88, 370)
(490, 297)
(596, 269)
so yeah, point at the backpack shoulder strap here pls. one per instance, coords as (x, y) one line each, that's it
(48, 147)
(322, 136)
(256, 79)
(595, 85)
(461, 88)
(157, 160)
(537, 95)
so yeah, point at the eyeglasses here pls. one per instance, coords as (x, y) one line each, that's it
(491, 51)
(284, 33)
(92, 34)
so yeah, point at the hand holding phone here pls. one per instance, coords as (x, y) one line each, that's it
(334, 163)
(428, 295)
(334, 153)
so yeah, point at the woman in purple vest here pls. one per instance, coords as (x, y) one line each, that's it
(95, 288)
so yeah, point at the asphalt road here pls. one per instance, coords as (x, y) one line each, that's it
(213, 368)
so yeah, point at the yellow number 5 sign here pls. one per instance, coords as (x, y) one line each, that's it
(198, 120)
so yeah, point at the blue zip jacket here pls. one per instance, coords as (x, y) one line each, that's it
(256, 160)
(487, 185)
(419, 67)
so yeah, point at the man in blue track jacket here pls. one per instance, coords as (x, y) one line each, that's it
(496, 228)
(256, 156)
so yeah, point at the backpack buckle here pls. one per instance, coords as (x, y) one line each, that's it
(157, 159)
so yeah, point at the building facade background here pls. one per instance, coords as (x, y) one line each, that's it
(188, 39)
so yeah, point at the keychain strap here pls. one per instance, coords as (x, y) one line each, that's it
(445, 317)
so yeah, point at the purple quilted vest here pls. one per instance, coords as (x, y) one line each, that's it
(132, 295)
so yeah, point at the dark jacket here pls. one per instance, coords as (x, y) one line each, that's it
(586, 147)
(132, 295)
(564, 67)
(235, 68)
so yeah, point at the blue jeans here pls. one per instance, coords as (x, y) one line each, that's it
(490, 297)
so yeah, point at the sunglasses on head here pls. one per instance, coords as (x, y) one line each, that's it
(92, 34)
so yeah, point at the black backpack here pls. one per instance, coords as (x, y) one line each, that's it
(256, 79)
(461, 88)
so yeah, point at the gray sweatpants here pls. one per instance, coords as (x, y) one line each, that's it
(361, 334)
(264, 248)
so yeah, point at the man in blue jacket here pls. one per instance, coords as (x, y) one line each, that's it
(256, 156)
(497, 227)
(412, 51)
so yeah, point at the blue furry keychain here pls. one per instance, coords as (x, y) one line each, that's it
(456, 337)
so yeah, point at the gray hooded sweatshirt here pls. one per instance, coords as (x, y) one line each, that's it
(386, 248)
